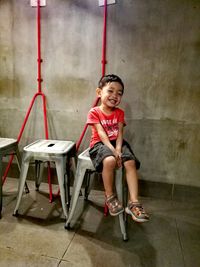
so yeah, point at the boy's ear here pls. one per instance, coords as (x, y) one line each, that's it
(98, 91)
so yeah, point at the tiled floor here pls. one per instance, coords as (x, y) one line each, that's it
(38, 238)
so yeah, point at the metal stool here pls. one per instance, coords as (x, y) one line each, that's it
(85, 164)
(8, 146)
(48, 150)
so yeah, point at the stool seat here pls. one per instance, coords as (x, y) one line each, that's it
(84, 164)
(57, 151)
(8, 146)
(7, 143)
(50, 147)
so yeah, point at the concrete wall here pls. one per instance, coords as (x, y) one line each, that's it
(153, 45)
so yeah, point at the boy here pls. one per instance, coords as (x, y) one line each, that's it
(108, 149)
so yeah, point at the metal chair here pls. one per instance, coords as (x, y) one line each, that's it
(48, 150)
(85, 166)
(8, 146)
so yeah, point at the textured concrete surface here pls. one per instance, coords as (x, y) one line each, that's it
(152, 45)
(38, 238)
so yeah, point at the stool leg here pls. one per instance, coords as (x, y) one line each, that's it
(60, 169)
(67, 180)
(73, 164)
(1, 192)
(18, 158)
(39, 168)
(79, 177)
(37, 174)
(22, 179)
(87, 184)
(119, 190)
(72, 167)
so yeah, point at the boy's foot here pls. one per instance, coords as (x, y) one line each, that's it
(137, 212)
(114, 205)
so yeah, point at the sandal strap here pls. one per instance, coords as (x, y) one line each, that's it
(113, 202)
(136, 205)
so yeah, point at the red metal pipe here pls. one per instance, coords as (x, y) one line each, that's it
(39, 93)
(27, 116)
(24, 124)
(39, 60)
(104, 62)
(104, 39)
(78, 143)
(45, 116)
(7, 169)
(20, 135)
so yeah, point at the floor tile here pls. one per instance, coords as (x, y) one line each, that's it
(99, 238)
(38, 238)
(190, 242)
(12, 258)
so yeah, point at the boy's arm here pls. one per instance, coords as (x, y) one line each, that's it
(119, 140)
(104, 138)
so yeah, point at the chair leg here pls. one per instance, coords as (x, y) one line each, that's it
(67, 180)
(60, 169)
(22, 179)
(87, 183)
(79, 177)
(39, 168)
(119, 190)
(18, 158)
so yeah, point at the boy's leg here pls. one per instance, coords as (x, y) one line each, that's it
(109, 164)
(134, 208)
(113, 204)
(132, 179)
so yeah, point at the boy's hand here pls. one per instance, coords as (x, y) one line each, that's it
(119, 162)
(119, 159)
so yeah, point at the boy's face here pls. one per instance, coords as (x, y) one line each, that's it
(110, 94)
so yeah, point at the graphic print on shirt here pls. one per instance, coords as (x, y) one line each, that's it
(110, 127)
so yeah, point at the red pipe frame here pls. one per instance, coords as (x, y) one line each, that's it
(103, 62)
(39, 93)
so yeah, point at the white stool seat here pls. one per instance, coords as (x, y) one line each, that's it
(7, 143)
(84, 164)
(47, 150)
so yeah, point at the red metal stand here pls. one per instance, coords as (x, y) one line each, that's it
(103, 62)
(39, 93)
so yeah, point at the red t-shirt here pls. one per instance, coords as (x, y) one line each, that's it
(109, 123)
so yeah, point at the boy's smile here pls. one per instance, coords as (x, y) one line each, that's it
(110, 95)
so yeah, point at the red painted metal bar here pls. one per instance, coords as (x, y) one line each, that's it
(24, 124)
(20, 135)
(39, 60)
(104, 62)
(78, 143)
(39, 93)
(104, 39)
(45, 116)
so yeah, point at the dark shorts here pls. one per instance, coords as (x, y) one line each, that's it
(100, 151)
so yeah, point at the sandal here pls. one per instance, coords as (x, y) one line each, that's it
(137, 212)
(114, 205)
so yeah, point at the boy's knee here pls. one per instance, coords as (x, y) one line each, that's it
(130, 163)
(109, 161)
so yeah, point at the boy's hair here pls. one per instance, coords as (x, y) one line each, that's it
(108, 79)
